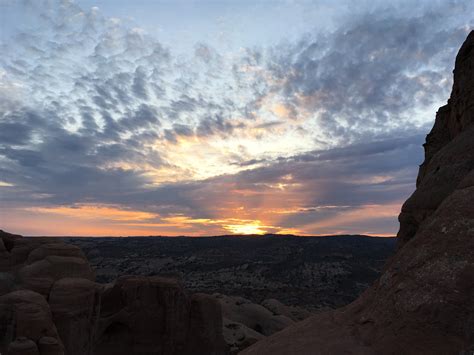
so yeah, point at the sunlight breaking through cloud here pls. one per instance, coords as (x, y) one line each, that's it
(106, 118)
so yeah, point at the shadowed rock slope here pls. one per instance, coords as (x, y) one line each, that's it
(424, 301)
(50, 305)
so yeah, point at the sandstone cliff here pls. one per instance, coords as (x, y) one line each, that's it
(424, 301)
(50, 305)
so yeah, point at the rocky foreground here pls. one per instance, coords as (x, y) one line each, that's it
(263, 283)
(50, 305)
(424, 301)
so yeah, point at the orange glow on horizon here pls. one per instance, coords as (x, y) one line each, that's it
(90, 211)
(113, 220)
(271, 215)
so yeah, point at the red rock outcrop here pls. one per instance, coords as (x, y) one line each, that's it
(50, 305)
(444, 167)
(42, 274)
(153, 315)
(23, 346)
(253, 316)
(246, 322)
(424, 301)
(75, 306)
(25, 318)
(205, 311)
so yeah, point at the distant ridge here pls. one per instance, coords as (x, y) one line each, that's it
(268, 235)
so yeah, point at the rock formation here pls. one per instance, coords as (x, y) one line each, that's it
(424, 301)
(245, 322)
(448, 149)
(50, 305)
(253, 316)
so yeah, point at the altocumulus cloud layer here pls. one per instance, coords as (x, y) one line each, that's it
(105, 130)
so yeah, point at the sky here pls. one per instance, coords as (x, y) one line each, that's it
(202, 118)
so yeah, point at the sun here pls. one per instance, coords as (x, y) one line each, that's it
(248, 228)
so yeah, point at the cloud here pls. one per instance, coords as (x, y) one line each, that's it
(374, 73)
(94, 111)
(14, 133)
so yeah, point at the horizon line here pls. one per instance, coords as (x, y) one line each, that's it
(214, 236)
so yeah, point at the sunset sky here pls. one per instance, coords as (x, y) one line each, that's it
(218, 117)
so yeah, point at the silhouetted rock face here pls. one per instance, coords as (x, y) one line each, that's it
(153, 315)
(25, 314)
(205, 327)
(75, 306)
(50, 305)
(424, 301)
(448, 149)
